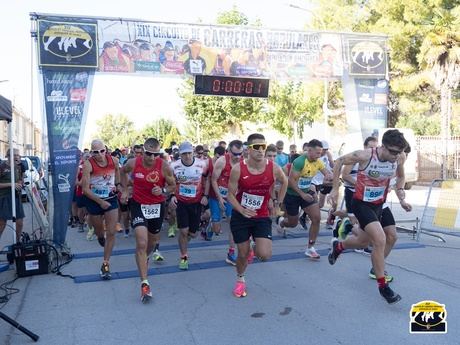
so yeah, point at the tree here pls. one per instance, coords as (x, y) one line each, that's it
(293, 105)
(440, 53)
(116, 131)
(159, 129)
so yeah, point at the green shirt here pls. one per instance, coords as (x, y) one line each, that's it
(307, 170)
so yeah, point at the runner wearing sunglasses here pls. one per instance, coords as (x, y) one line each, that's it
(377, 166)
(150, 174)
(249, 190)
(100, 178)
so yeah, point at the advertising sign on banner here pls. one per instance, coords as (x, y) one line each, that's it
(179, 49)
(65, 96)
(367, 57)
(70, 44)
(372, 96)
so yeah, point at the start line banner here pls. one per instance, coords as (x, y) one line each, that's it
(178, 49)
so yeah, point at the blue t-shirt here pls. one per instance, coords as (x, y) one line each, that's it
(282, 159)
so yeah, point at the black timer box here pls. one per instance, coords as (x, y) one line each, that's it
(31, 258)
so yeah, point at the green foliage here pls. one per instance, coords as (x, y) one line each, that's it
(160, 129)
(173, 135)
(232, 17)
(293, 105)
(116, 131)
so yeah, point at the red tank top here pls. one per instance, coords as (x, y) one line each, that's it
(102, 179)
(79, 190)
(222, 180)
(372, 182)
(254, 190)
(144, 179)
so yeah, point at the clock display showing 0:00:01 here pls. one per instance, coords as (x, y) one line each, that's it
(236, 86)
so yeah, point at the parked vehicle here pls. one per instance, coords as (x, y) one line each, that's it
(37, 162)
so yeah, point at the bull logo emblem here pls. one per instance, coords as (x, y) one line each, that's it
(428, 317)
(67, 41)
(367, 55)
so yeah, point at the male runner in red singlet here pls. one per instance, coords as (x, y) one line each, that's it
(376, 168)
(249, 190)
(100, 179)
(150, 174)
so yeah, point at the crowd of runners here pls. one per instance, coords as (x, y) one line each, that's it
(249, 184)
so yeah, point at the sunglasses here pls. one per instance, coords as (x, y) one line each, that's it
(236, 153)
(394, 152)
(95, 152)
(258, 146)
(150, 154)
(206, 151)
(199, 153)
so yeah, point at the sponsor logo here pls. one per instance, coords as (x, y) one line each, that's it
(374, 173)
(77, 95)
(138, 220)
(428, 317)
(367, 55)
(153, 177)
(56, 96)
(139, 175)
(67, 41)
(63, 184)
(365, 98)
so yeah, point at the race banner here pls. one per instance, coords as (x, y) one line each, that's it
(372, 97)
(65, 94)
(365, 106)
(67, 43)
(181, 49)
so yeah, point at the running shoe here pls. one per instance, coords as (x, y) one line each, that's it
(231, 258)
(389, 295)
(81, 227)
(312, 253)
(183, 264)
(90, 235)
(335, 232)
(70, 222)
(344, 228)
(209, 232)
(157, 256)
(303, 221)
(240, 289)
(105, 271)
(172, 231)
(126, 234)
(334, 253)
(359, 250)
(146, 293)
(281, 230)
(367, 251)
(388, 278)
(101, 241)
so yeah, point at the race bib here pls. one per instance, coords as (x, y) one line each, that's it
(252, 201)
(223, 191)
(373, 193)
(187, 190)
(151, 211)
(304, 182)
(101, 191)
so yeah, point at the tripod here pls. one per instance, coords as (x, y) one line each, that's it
(24, 330)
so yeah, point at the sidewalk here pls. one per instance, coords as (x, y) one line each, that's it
(291, 300)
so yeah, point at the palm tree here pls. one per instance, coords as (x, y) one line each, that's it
(440, 53)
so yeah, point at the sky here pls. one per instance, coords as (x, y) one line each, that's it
(140, 98)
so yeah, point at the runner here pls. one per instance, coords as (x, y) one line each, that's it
(192, 188)
(147, 206)
(302, 194)
(100, 178)
(376, 168)
(218, 194)
(249, 190)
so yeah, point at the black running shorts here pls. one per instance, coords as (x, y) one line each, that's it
(243, 228)
(150, 216)
(188, 216)
(294, 202)
(366, 212)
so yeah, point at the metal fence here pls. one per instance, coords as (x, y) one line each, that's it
(431, 155)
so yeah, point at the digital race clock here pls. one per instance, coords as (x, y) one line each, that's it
(215, 85)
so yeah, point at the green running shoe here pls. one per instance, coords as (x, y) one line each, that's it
(388, 278)
(183, 264)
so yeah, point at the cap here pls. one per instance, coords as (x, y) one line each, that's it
(175, 147)
(185, 147)
(325, 144)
